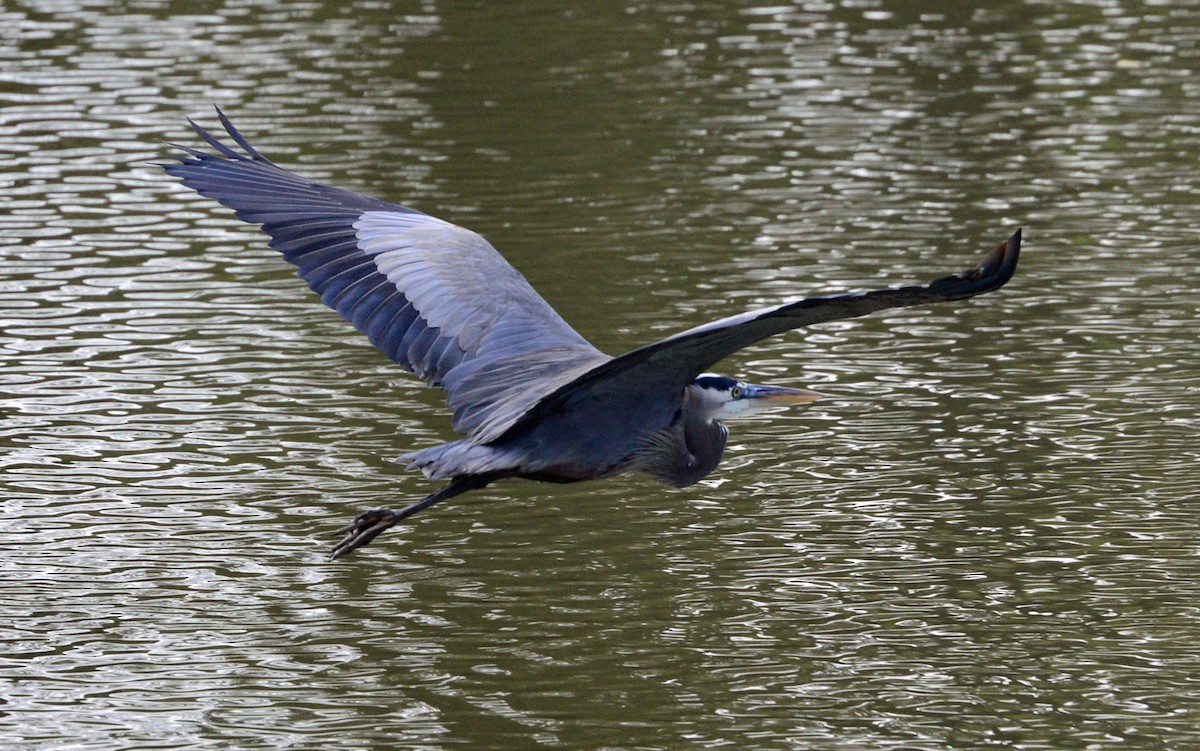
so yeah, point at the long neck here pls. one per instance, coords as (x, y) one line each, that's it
(686, 451)
(704, 439)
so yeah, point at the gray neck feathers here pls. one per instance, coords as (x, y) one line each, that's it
(687, 450)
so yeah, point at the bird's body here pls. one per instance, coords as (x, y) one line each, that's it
(677, 446)
(531, 396)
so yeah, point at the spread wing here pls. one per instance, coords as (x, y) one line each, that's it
(436, 298)
(669, 365)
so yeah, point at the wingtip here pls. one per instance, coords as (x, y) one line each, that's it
(195, 127)
(992, 272)
(1013, 244)
(1012, 249)
(238, 138)
(999, 265)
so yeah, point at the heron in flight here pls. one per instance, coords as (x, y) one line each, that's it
(530, 395)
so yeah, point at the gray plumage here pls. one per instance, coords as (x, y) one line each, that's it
(530, 395)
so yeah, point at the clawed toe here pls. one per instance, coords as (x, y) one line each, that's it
(365, 527)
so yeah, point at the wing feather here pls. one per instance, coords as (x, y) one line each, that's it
(667, 366)
(434, 297)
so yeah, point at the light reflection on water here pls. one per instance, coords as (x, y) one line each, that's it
(985, 539)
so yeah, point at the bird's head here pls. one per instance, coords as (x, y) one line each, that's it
(723, 397)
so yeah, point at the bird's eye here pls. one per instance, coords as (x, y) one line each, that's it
(735, 392)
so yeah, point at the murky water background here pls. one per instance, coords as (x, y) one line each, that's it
(987, 539)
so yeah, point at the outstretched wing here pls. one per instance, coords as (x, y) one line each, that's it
(434, 297)
(669, 365)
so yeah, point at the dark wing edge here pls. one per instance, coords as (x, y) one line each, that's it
(312, 226)
(677, 360)
(435, 298)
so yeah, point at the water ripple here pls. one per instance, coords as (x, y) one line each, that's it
(984, 538)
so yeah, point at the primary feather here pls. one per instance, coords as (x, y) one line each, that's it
(434, 297)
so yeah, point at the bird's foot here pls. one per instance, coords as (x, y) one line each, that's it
(365, 527)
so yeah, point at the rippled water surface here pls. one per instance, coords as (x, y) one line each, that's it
(987, 538)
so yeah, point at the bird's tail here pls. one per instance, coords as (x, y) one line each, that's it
(458, 458)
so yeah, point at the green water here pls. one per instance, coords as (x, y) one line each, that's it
(986, 538)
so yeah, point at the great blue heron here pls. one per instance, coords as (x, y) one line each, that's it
(533, 397)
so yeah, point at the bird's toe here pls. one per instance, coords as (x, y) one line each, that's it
(365, 527)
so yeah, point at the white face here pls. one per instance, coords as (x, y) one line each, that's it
(726, 398)
(739, 403)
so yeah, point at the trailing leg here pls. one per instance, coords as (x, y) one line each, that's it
(369, 524)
